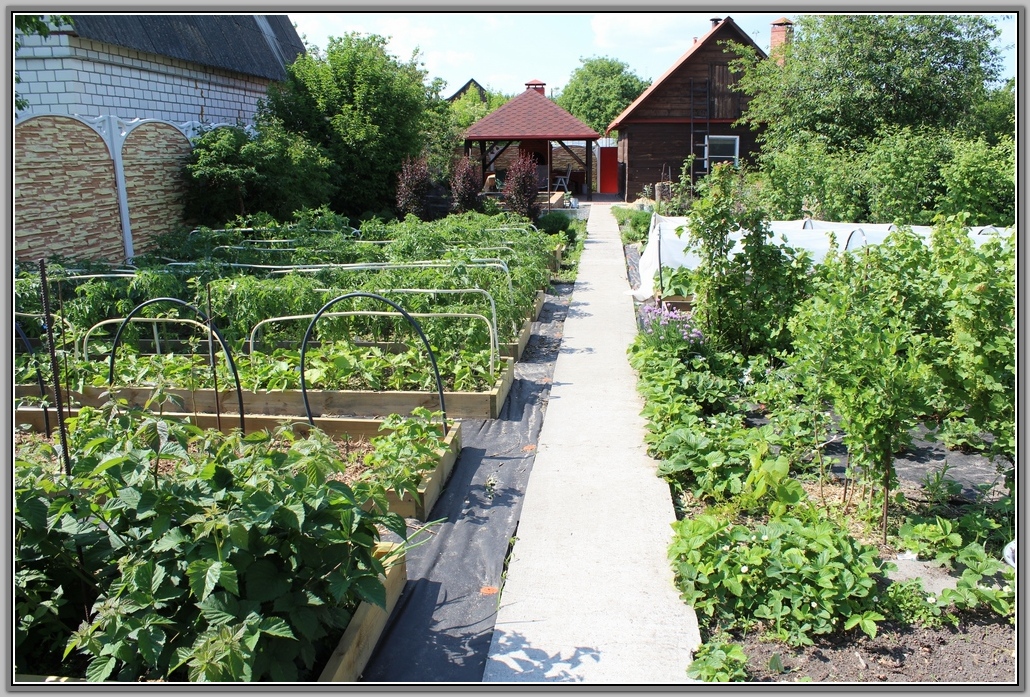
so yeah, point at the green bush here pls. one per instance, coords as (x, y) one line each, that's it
(230, 173)
(553, 223)
(365, 109)
(195, 555)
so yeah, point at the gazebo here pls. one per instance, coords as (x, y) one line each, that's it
(534, 121)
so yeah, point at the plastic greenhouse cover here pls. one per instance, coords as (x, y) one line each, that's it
(664, 247)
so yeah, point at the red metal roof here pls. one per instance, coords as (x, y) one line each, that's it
(528, 116)
(728, 22)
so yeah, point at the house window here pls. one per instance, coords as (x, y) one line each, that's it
(722, 149)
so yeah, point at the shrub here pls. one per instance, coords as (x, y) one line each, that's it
(413, 184)
(362, 105)
(520, 187)
(231, 172)
(466, 183)
(553, 223)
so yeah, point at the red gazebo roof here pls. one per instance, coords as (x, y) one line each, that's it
(529, 116)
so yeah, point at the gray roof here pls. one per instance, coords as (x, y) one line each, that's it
(258, 45)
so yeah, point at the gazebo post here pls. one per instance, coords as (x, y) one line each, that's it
(548, 175)
(590, 171)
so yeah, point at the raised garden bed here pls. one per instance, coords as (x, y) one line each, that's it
(429, 489)
(357, 643)
(361, 403)
(516, 348)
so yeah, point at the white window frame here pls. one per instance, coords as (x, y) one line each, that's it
(722, 158)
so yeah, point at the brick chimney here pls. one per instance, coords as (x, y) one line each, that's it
(536, 85)
(782, 31)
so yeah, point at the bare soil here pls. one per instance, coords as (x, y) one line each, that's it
(982, 649)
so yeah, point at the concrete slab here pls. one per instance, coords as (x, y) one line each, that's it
(589, 595)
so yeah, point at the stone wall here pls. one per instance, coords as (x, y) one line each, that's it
(65, 196)
(154, 154)
(66, 191)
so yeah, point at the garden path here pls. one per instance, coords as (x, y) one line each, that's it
(589, 596)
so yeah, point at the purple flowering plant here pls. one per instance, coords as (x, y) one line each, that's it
(668, 327)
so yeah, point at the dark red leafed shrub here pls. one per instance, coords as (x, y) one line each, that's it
(413, 185)
(466, 183)
(520, 187)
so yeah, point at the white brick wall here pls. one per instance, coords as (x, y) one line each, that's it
(68, 75)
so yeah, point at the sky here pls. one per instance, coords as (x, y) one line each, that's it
(504, 51)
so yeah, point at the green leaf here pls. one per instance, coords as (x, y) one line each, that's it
(292, 515)
(265, 582)
(171, 540)
(203, 575)
(100, 668)
(151, 642)
(276, 626)
(227, 577)
(219, 609)
(371, 590)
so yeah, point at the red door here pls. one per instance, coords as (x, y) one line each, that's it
(609, 183)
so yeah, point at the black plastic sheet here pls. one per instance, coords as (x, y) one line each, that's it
(441, 628)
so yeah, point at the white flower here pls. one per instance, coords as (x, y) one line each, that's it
(814, 604)
(931, 599)
(765, 538)
(743, 569)
(725, 548)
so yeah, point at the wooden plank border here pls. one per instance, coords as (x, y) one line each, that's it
(356, 403)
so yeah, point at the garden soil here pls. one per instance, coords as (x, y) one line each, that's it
(441, 628)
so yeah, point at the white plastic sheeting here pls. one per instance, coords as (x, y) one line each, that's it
(666, 249)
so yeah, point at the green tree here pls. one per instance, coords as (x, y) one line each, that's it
(232, 172)
(469, 108)
(846, 77)
(995, 117)
(32, 25)
(599, 90)
(364, 107)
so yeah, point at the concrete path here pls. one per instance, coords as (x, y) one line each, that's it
(589, 595)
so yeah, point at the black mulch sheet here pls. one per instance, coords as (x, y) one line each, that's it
(440, 630)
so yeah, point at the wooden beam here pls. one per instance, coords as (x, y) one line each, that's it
(574, 155)
(494, 158)
(589, 172)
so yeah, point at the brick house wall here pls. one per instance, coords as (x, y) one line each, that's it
(65, 74)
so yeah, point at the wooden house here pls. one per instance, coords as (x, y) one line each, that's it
(690, 109)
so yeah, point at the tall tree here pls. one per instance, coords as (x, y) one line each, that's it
(364, 107)
(846, 77)
(599, 90)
